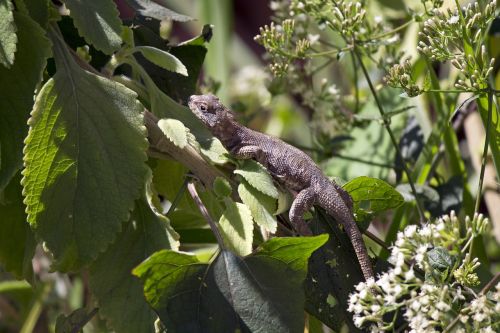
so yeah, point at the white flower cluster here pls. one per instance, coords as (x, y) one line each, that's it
(420, 286)
(443, 36)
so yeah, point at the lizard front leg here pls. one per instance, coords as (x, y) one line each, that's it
(302, 203)
(248, 152)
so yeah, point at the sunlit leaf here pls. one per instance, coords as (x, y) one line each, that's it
(175, 131)
(257, 176)
(162, 58)
(261, 206)
(236, 226)
(84, 159)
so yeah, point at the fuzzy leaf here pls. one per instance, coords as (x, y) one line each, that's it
(257, 176)
(236, 226)
(261, 206)
(222, 188)
(17, 243)
(162, 58)
(118, 292)
(8, 37)
(84, 158)
(259, 293)
(16, 101)
(157, 10)
(175, 131)
(98, 22)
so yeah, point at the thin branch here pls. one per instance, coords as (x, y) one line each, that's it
(187, 156)
(79, 326)
(391, 134)
(194, 194)
(178, 196)
(485, 151)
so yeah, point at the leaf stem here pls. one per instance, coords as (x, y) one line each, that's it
(485, 151)
(391, 134)
(388, 33)
(178, 196)
(194, 194)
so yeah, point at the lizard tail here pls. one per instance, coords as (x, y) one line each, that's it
(334, 203)
(359, 248)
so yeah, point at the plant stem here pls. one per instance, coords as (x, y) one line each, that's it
(391, 32)
(178, 196)
(194, 194)
(330, 52)
(485, 151)
(391, 134)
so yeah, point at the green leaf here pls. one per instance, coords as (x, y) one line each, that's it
(222, 188)
(39, 11)
(157, 10)
(236, 226)
(168, 179)
(73, 322)
(118, 292)
(33, 49)
(8, 37)
(257, 176)
(440, 259)
(162, 58)
(165, 107)
(98, 22)
(84, 158)
(17, 244)
(261, 206)
(175, 131)
(372, 195)
(192, 54)
(259, 293)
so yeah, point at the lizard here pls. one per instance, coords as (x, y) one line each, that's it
(289, 167)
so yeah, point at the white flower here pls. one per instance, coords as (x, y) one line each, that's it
(410, 231)
(333, 90)
(454, 19)
(378, 19)
(409, 275)
(358, 321)
(313, 38)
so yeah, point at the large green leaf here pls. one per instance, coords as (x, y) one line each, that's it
(39, 11)
(17, 244)
(118, 292)
(84, 159)
(98, 22)
(372, 195)
(259, 293)
(17, 86)
(332, 275)
(8, 38)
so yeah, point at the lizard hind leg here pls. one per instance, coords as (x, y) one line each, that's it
(302, 203)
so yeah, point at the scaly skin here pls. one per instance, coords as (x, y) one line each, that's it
(289, 166)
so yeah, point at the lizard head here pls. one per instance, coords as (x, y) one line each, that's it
(209, 109)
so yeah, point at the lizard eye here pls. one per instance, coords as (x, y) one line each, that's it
(203, 108)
